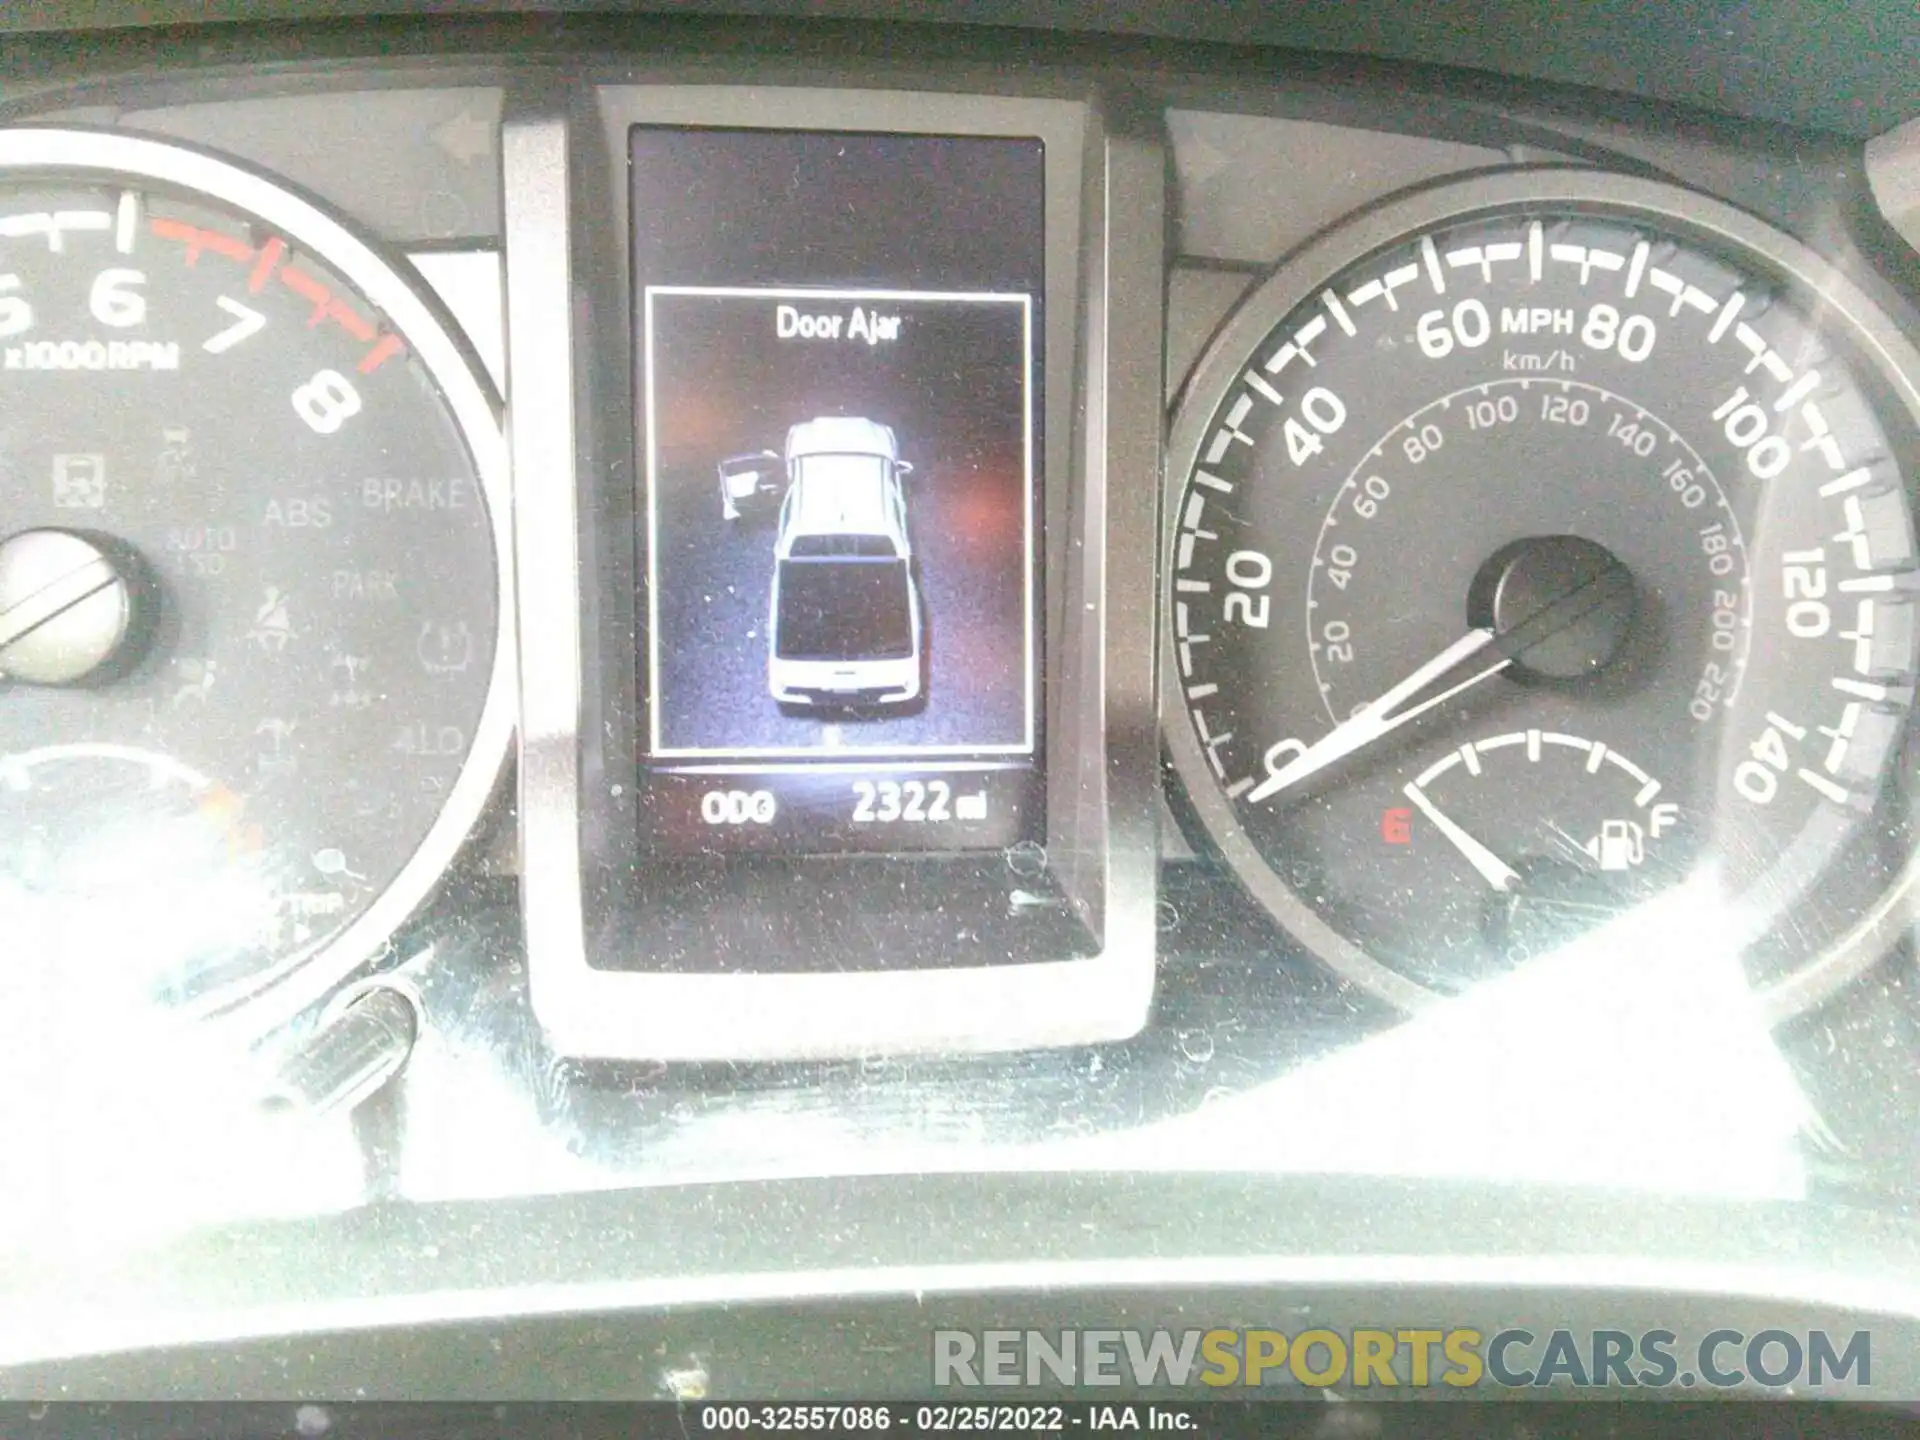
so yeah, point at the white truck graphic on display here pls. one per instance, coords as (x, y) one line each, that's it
(844, 621)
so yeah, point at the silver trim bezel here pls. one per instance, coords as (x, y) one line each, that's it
(593, 1013)
(1298, 279)
(277, 994)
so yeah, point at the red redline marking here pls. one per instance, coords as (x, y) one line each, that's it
(197, 240)
(389, 346)
(304, 285)
(350, 321)
(271, 254)
(230, 246)
(178, 230)
(267, 263)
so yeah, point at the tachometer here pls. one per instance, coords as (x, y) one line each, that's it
(253, 662)
(1535, 543)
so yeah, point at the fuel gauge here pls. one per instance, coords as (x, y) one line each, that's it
(123, 852)
(1562, 830)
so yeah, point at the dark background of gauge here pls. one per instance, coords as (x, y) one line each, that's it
(265, 676)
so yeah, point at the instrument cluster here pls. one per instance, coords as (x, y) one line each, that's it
(562, 570)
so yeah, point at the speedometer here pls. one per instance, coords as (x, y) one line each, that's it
(253, 678)
(1537, 543)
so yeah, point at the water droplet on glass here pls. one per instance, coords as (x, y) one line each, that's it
(1027, 859)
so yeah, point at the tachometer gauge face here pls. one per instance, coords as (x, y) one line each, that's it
(251, 682)
(1536, 544)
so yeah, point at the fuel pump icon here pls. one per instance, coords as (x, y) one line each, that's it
(1620, 845)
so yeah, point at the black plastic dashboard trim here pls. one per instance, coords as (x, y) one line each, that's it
(1847, 69)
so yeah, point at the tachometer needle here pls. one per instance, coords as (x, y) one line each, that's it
(1385, 713)
(1496, 871)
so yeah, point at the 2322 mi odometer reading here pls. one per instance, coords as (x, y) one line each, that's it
(1537, 543)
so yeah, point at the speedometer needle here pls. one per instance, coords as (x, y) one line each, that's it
(1497, 872)
(1384, 714)
(1548, 586)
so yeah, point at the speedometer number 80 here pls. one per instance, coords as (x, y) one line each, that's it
(1632, 337)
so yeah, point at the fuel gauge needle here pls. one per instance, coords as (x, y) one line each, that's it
(1496, 871)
